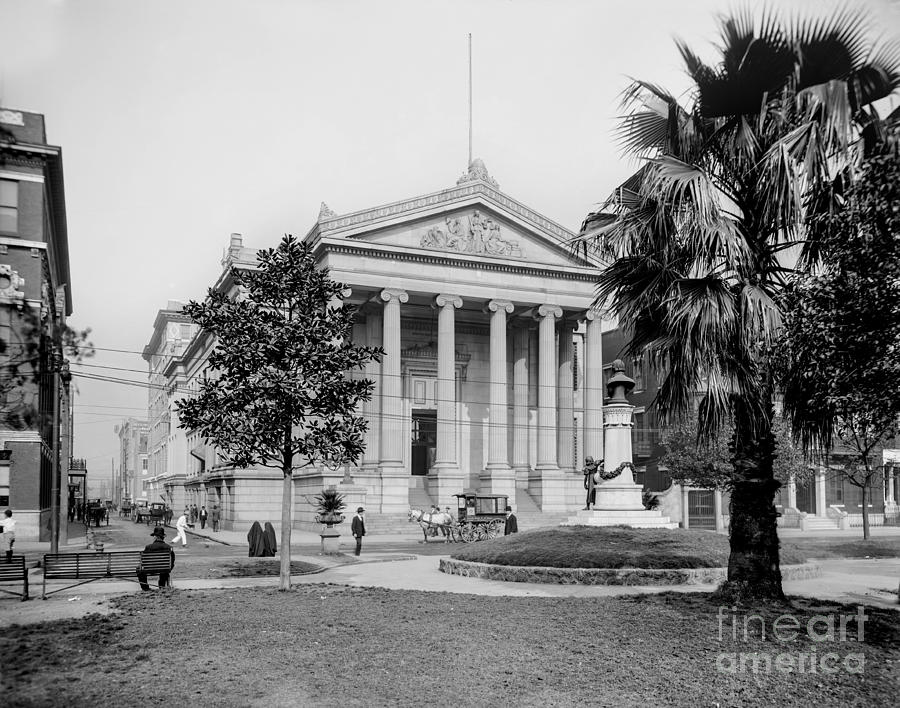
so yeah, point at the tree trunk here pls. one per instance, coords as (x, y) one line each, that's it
(865, 512)
(286, 494)
(754, 571)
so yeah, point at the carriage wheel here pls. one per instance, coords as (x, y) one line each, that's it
(468, 533)
(493, 529)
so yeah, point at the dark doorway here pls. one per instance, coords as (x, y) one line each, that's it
(806, 498)
(424, 441)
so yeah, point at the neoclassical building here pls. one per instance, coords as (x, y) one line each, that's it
(492, 375)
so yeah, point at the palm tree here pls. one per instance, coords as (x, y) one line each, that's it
(700, 241)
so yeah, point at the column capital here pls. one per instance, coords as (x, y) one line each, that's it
(389, 294)
(591, 314)
(445, 300)
(497, 305)
(549, 311)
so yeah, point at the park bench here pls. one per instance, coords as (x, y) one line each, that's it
(14, 571)
(88, 567)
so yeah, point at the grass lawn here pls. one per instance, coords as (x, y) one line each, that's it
(609, 547)
(329, 645)
(825, 547)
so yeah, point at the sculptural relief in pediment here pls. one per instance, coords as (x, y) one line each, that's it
(474, 233)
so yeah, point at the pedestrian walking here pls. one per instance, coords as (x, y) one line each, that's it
(358, 528)
(159, 544)
(511, 525)
(181, 528)
(214, 518)
(9, 533)
(204, 515)
(193, 513)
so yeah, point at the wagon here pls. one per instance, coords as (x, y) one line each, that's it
(140, 511)
(157, 514)
(95, 512)
(480, 516)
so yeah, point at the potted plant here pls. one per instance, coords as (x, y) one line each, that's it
(329, 505)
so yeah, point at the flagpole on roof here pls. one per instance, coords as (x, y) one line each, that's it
(470, 101)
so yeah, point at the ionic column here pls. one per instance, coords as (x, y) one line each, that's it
(717, 510)
(792, 493)
(821, 504)
(546, 442)
(372, 408)
(445, 450)
(445, 477)
(593, 387)
(391, 386)
(498, 449)
(520, 461)
(565, 399)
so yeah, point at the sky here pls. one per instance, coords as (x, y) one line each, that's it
(183, 121)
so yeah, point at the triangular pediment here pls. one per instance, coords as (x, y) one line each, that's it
(473, 221)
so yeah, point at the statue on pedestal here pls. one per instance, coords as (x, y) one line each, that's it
(590, 480)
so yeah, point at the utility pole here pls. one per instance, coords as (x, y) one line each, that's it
(55, 474)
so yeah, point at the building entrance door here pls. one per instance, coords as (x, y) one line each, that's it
(424, 441)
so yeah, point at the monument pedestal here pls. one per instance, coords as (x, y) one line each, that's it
(635, 518)
(618, 501)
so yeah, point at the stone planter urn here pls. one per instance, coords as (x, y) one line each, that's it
(330, 504)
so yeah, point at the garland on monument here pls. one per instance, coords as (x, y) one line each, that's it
(596, 469)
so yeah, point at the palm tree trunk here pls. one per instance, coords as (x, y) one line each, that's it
(754, 571)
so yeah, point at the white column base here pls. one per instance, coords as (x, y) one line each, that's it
(642, 519)
(394, 488)
(522, 473)
(619, 496)
(442, 482)
(547, 487)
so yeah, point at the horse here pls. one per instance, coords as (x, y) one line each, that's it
(432, 521)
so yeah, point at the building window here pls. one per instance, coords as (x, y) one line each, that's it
(9, 205)
(641, 434)
(835, 491)
(638, 369)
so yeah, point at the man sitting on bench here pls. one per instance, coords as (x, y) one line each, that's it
(159, 544)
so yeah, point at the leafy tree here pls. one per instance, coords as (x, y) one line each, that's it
(280, 393)
(705, 462)
(840, 347)
(36, 348)
(697, 239)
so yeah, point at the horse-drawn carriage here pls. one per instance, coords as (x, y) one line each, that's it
(95, 512)
(125, 507)
(478, 517)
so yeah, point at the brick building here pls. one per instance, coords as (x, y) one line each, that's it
(35, 299)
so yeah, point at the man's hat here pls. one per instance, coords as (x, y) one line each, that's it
(509, 508)
(360, 510)
(159, 532)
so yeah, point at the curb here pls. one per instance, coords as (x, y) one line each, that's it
(607, 576)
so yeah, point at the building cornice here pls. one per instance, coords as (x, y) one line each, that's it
(374, 215)
(410, 255)
(163, 317)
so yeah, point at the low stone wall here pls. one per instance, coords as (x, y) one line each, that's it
(607, 576)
